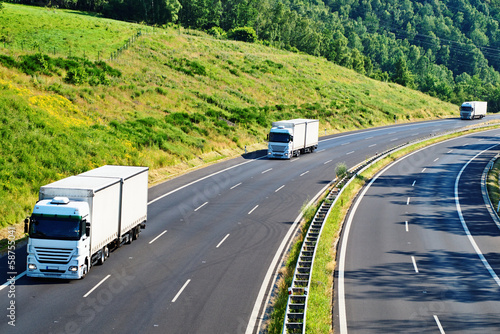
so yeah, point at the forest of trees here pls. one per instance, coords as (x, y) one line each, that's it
(448, 48)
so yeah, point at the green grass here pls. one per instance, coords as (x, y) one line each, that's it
(63, 32)
(170, 101)
(492, 184)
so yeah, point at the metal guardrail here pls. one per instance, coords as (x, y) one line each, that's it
(298, 293)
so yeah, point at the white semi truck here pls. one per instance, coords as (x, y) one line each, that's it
(474, 109)
(292, 137)
(79, 219)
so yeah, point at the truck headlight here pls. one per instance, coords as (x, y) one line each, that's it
(31, 266)
(73, 268)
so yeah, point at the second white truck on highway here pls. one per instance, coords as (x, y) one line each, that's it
(79, 219)
(292, 137)
(474, 109)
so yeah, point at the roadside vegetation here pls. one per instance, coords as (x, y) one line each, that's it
(171, 100)
(492, 184)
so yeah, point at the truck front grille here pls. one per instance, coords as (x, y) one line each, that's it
(53, 255)
(278, 149)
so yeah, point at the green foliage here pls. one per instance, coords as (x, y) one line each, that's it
(243, 34)
(78, 70)
(217, 32)
(341, 169)
(189, 67)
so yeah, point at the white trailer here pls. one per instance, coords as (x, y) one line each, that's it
(473, 109)
(134, 195)
(79, 219)
(292, 138)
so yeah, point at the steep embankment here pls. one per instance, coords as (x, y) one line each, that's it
(172, 99)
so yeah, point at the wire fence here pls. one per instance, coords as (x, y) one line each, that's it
(36, 47)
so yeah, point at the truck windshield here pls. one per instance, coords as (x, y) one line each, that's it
(466, 108)
(55, 228)
(277, 137)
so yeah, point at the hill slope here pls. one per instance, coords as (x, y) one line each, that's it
(171, 100)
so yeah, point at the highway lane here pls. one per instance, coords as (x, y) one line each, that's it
(211, 238)
(408, 264)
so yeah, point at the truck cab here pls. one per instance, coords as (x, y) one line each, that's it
(58, 243)
(280, 143)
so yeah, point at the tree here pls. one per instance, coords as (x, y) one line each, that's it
(402, 74)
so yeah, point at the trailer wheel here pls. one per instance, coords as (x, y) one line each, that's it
(136, 230)
(130, 236)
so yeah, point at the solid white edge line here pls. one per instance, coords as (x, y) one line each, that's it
(441, 330)
(464, 224)
(414, 263)
(96, 286)
(3, 286)
(162, 233)
(220, 243)
(198, 208)
(181, 290)
(255, 207)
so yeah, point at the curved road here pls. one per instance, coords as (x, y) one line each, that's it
(420, 251)
(206, 260)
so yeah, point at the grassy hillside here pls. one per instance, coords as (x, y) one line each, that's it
(173, 99)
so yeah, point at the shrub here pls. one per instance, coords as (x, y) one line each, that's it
(217, 32)
(243, 34)
(341, 169)
(76, 76)
(7, 61)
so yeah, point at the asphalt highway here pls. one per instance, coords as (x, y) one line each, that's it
(420, 251)
(207, 258)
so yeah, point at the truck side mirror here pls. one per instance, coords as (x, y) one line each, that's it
(291, 138)
(87, 229)
(27, 225)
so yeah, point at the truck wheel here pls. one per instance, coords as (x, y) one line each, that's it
(85, 270)
(104, 255)
(101, 258)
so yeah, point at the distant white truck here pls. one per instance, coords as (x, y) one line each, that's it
(292, 137)
(79, 219)
(474, 109)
